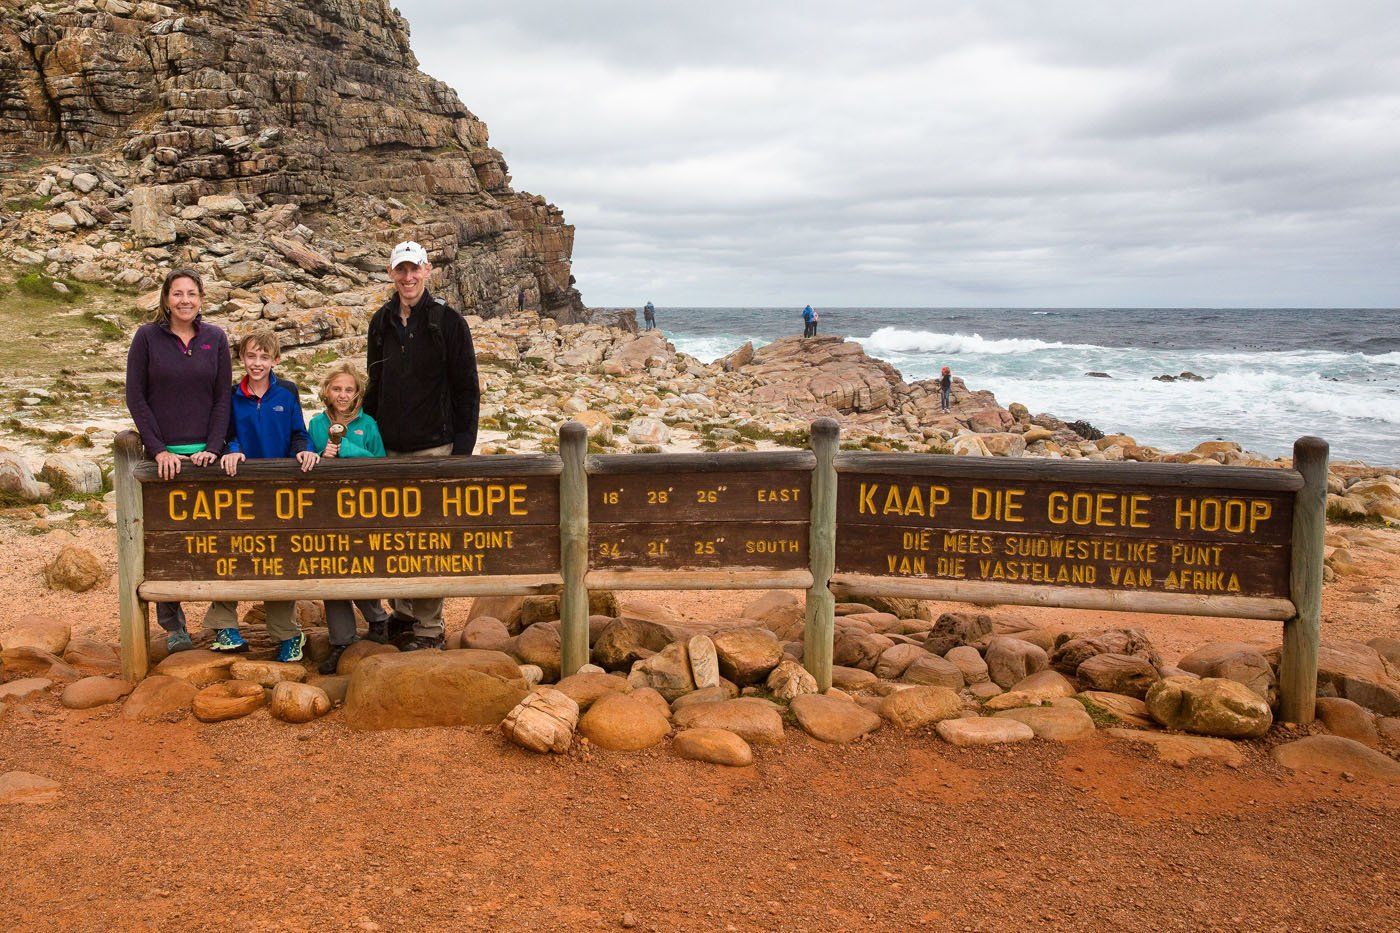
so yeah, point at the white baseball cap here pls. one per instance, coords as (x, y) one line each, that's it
(408, 251)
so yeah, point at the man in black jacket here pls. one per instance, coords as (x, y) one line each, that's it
(423, 393)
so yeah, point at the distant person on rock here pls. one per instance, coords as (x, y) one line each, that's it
(177, 390)
(649, 316)
(945, 389)
(809, 322)
(342, 432)
(424, 395)
(520, 300)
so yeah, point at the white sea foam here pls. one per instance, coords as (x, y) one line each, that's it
(897, 340)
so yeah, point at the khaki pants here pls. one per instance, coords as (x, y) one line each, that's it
(426, 612)
(281, 618)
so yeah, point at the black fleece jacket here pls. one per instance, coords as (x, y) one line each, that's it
(423, 388)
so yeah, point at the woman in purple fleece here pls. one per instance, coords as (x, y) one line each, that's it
(178, 378)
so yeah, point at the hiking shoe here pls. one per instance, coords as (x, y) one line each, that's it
(228, 639)
(378, 632)
(332, 661)
(421, 642)
(178, 641)
(289, 649)
(399, 626)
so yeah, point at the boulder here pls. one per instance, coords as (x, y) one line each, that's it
(74, 568)
(32, 631)
(747, 655)
(969, 663)
(667, 672)
(920, 706)
(781, 612)
(505, 609)
(754, 720)
(954, 629)
(432, 688)
(714, 746)
(298, 702)
(931, 670)
(90, 656)
(648, 431)
(487, 634)
(267, 673)
(199, 667)
(1349, 720)
(1356, 672)
(704, 661)
(855, 648)
(980, 731)
(852, 678)
(790, 680)
(539, 644)
(1042, 638)
(537, 609)
(1117, 707)
(157, 696)
(17, 480)
(1073, 652)
(24, 688)
(1387, 648)
(1117, 673)
(94, 691)
(626, 641)
(895, 660)
(71, 474)
(653, 699)
(25, 661)
(532, 674)
(725, 691)
(1237, 661)
(1209, 706)
(586, 687)
(334, 686)
(829, 719)
(623, 722)
(1011, 660)
(1337, 755)
(355, 655)
(1181, 749)
(227, 699)
(1057, 723)
(542, 722)
(23, 787)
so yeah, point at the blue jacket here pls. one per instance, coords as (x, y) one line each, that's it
(807, 313)
(268, 427)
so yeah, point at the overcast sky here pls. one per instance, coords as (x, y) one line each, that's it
(948, 153)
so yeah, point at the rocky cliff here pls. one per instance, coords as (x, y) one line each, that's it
(293, 141)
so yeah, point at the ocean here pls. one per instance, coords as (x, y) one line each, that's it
(1269, 375)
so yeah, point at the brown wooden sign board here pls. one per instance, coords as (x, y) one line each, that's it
(1194, 541)
(328, 527)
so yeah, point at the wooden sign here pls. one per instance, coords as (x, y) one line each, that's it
(679, 512)
(286, 525)
(1066, 529)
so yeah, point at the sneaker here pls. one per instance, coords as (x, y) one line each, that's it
(178, 641)
(332, 661)
(421, 642)
(228, 639)
(289, 649)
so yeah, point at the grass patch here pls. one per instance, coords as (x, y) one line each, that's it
(105, 327)
(1338, 516)
(25, 205)
(40, 286)
(1102, 718)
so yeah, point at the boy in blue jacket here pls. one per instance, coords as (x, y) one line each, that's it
(265, 422)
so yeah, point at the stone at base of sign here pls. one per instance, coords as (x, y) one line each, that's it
(752, 720)
(158, 696)
(24, 688)
(830, 719)
(790, 680)
(1209, 706)
(972, 732)
(229, 699)
(1349, 720)
(542, 722)
(852, 678)
(715, 746)
(267, 673)
(623, 722)
(1336, 755)
(1117, 707)
(432, 688)
(94, 691)
(920, 706)
(198, 667)
(747, 655)
(704, 662)
(334, 686)
(297, 702)
(587, 686)
(1181, 749)
(1057, 723)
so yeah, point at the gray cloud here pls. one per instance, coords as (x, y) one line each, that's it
(1040, 153)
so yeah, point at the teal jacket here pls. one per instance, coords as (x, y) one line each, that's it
(361, 436)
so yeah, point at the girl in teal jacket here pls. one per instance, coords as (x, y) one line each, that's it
(342, 390)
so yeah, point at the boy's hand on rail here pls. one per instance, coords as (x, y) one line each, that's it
(230, 463)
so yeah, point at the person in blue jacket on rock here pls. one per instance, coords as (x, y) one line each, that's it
(343, 431)
(809, 322)
(265, 423)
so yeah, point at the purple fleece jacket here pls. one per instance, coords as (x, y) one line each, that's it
(179, 394)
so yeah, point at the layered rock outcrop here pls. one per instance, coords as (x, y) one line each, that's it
(297, 137)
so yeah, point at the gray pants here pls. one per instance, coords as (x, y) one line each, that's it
(340, 617)
(171, 616)
(281, 618)
(426, 612)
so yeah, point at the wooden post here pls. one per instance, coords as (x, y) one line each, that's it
(820, 630)
(1297, 672)
(573, 547)
(131, 557)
